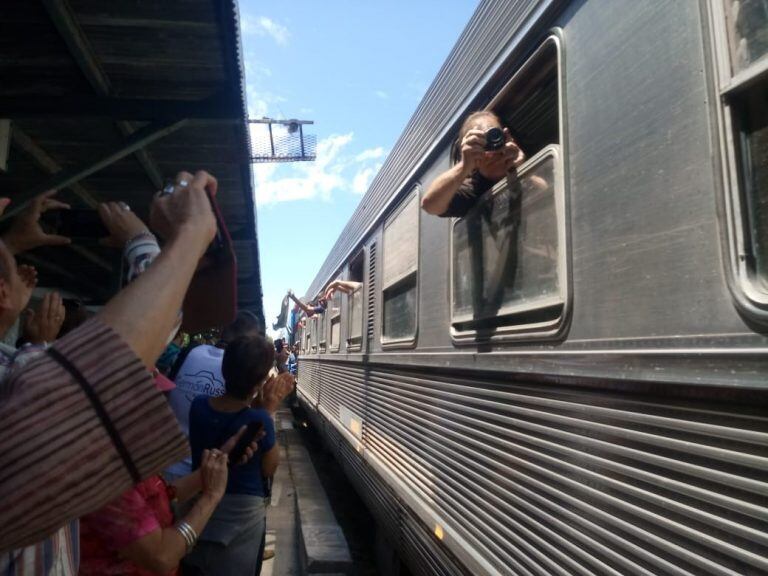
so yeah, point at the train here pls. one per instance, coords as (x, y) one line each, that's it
(598, 406)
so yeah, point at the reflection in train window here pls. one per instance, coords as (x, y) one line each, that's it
(334, 311)
(747, 23)
(508, 254)
(355, 303)
(743, 86)
(400, 274)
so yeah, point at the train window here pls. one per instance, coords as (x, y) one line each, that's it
(312, 324)
(355, 304)
(741, 50)
(508, 257)
(322, 331)
(400, 274)
(334, 311)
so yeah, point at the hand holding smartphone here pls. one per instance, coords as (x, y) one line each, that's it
(251, 433)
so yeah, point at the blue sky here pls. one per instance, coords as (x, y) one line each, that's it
(358, 69)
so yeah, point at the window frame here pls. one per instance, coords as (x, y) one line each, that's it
(414, 194)
(553, 329)
(322, 328)
(313, 335)
(355, 343)
(741, 276)
(334, 346)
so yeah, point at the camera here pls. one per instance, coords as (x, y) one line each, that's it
(494, 139)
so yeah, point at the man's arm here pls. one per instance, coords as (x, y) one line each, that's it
(438, 196)
(83, 422)
(307, 310)
(145, 312)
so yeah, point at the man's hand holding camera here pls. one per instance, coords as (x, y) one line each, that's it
(186, 210)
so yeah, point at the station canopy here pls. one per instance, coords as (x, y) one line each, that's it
(107, 101)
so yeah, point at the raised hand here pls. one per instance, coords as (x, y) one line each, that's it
(275, 389)
(513, 154)
(472, 149)
(186, 206)
(122, 223)
(44, 324)
(26, 233)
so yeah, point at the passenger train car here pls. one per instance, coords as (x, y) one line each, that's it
(572, 379)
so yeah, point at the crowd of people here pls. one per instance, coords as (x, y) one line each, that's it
(128, 447)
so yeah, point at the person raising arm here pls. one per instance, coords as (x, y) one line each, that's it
(118, 427)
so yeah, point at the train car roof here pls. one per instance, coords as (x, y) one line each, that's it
(466, 79)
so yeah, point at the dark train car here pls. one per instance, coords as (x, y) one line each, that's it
(598, 406)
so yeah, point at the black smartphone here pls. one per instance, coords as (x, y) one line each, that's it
(76, 223)
(253, 430)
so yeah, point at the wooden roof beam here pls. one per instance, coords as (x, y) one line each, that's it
(68, 178)
(63, 18)
(48, 164)
(221, 106)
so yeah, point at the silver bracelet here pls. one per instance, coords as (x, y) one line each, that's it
(188, 533)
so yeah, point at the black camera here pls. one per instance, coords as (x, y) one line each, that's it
(494, 139)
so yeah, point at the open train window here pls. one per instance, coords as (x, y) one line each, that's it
(508, 254)
(399, 290)
(741, 56)
(334, 313)
(355, 304)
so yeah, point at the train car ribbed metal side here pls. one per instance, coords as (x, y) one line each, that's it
(537, 479)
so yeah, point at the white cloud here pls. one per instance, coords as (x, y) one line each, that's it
(332, 172)
(260, 103)
(370, 154)
(363, 179)
(263, 26)
(306, 180)
(381, 94)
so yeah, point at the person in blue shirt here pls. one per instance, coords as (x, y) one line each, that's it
(229, 543)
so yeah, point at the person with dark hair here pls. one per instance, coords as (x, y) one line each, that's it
(229, 545)
(197, 371)
(485, 153)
